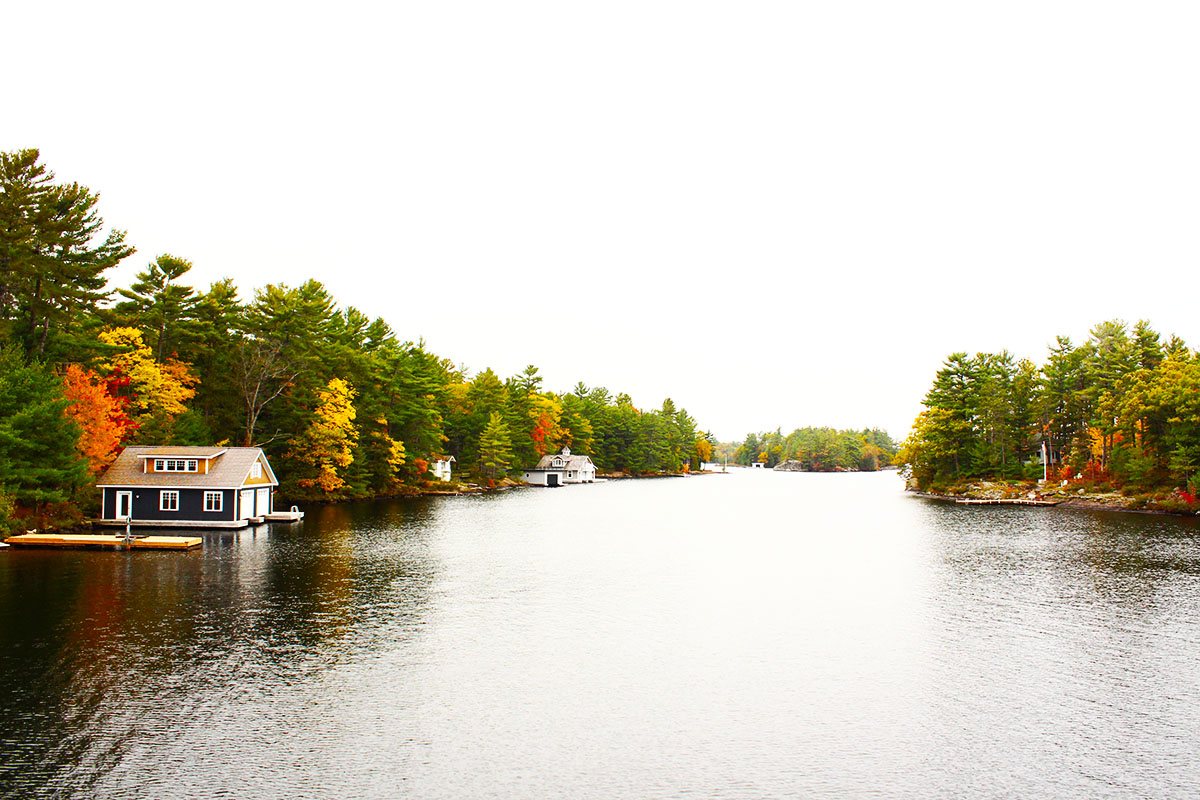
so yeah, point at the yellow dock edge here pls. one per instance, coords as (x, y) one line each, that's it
(106, 541)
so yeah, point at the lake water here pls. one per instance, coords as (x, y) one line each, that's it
(751, 635)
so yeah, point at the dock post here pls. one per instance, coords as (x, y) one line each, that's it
(128, 532)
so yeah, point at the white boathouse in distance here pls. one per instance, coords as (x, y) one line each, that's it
(188, 487)
(561, 468)
(442, 469)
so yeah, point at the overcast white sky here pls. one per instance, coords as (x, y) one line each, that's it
(777, 213)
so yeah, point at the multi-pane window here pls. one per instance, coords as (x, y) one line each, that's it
(256, 470)
(175, 465)
(212, 501)
(168, 500)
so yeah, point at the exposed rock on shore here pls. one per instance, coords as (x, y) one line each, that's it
(1068, 496)
(798, 466)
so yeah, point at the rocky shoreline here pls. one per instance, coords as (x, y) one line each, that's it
(1064, 497)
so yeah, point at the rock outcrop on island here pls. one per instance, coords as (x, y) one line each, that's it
(798, 466)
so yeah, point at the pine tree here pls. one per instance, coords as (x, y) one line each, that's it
(160, 305)
(51, 266)
(38, 458)
(955, 395)
(495, 449)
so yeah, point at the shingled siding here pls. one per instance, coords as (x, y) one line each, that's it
(191, 505)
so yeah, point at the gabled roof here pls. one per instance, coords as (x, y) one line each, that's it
(178, 451)
(569, 462)
(229, 468)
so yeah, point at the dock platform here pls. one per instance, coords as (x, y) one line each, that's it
(104, 541)
(284, 516)
(172, 523)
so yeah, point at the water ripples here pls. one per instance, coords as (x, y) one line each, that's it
(742, 636)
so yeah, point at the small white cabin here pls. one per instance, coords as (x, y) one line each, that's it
(561, 468)
(441, 468)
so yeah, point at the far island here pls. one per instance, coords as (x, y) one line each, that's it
(813, 450)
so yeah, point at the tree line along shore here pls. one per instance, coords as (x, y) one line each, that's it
(1112, 422)
(814, 450)
(343, 407)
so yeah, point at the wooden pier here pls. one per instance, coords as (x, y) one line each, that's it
(104, 541)
(1008, 501)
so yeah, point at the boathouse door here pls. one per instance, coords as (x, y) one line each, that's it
(124, 505)
(552, 479)
(247, 504)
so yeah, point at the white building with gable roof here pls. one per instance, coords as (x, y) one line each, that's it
(561, 468)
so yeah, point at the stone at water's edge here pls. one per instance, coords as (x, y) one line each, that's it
(797, 466)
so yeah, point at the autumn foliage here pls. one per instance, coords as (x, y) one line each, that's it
(328, 443)
(103, 423)
(151, 388)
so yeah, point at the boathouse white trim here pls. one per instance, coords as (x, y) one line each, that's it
(441, 468)
(195, 487)
(561, 468)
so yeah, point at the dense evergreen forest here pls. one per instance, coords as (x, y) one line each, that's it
(343, 407)
(1121, 409)
(818, 449)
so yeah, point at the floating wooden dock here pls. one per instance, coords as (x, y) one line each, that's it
(1008, 501)
(284, 516)
(173, 523)
(104, 541)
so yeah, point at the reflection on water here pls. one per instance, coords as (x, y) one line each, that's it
(749, 635)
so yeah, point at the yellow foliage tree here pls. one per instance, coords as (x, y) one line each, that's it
(156, 389)
(328, 443)
(704, 450)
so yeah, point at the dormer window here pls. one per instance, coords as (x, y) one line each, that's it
(175, 465)
(558, 462)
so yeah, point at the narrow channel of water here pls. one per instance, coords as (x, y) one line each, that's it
(752, 635)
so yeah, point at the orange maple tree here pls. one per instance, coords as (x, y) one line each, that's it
(101, 417)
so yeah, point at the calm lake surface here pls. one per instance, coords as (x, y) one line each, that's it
(752, 635)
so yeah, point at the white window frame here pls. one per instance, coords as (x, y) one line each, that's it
(175, 465)
(218, 505)
(256, 470)
(168, 500)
